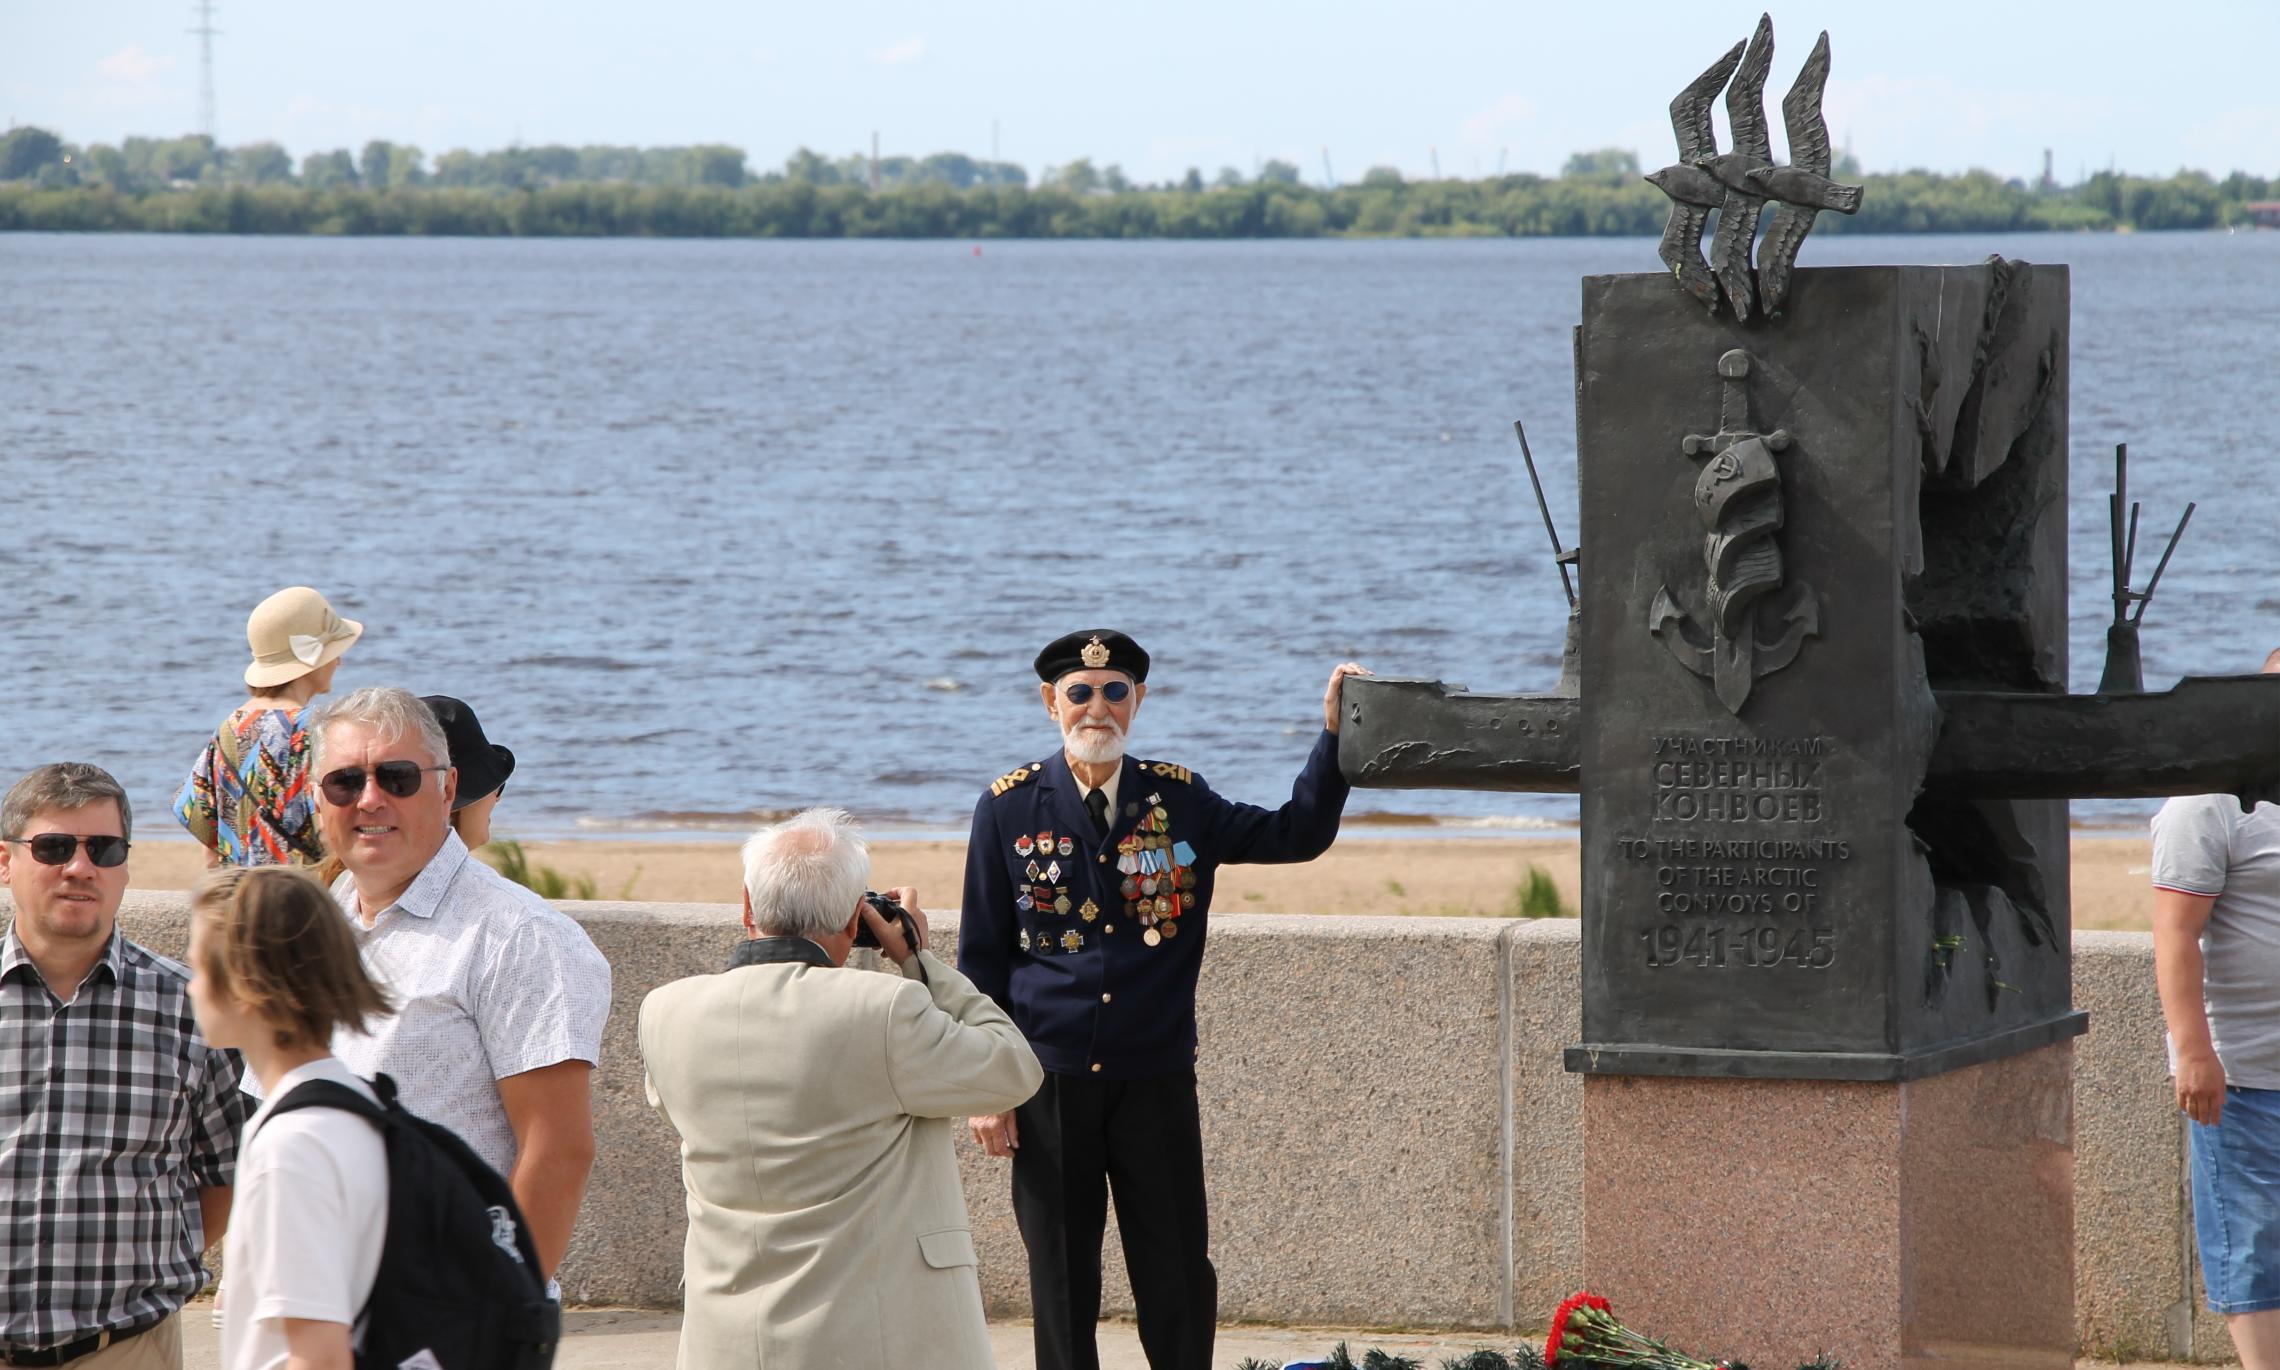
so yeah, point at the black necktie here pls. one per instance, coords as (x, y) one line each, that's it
(1097, 801)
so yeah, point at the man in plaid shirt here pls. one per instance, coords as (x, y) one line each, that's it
(118, 1124)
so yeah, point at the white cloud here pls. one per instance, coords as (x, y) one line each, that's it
(908, 50)
(2228, 141)
(1495, 123)
(317, 123)
(1910, 116)
(131, 63)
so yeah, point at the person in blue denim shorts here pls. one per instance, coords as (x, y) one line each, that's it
(2216, 955)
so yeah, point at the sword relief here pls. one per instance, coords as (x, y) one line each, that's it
(1738, 498)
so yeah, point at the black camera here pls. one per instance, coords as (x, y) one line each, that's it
(888, 909)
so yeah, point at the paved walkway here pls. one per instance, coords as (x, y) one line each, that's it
(635, 1339)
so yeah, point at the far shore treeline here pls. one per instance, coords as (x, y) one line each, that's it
(189, 185)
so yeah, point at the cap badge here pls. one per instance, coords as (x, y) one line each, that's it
(1094, 654)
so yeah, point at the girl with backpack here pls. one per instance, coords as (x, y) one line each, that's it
(274, 970)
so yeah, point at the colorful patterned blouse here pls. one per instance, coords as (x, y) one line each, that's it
(251, 796)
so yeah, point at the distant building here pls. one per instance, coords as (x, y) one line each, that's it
(2264, 213)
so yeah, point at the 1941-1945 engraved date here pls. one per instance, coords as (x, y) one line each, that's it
(1802, 948)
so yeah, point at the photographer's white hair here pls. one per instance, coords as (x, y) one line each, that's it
(804, 874)
(388, 712)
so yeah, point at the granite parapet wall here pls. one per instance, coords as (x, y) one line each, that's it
(1391, 1138)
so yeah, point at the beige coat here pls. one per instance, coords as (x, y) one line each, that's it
(826, 1223)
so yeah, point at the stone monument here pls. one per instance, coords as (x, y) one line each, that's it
(1819, 722)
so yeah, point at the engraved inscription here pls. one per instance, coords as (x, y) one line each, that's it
(1738, 780)
(1711, 946)
(1740, 901)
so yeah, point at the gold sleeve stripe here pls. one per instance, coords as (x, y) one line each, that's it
(1012, 778)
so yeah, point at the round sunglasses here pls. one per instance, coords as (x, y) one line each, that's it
(399, 778)
(57, 848)
(1115, 692)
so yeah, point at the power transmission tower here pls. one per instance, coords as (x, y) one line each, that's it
(206, 33)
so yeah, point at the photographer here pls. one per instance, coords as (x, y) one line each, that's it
(814, 1104)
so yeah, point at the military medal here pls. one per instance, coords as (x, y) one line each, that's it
(1152, 937)
(1088, 910)
(1061, 905)
(1032, 871)
(1022, 846)
(1025, 939)
(1053, 874)
(1025, 903)
(1068, 846)
(1072, 940)
(1044, 844)
(1169, 929)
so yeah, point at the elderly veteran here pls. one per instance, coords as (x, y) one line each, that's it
(500, 997)
(1088, 894)
(826, 1222)
(118, 1121)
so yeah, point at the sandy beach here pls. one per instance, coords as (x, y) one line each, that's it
(1461, 877)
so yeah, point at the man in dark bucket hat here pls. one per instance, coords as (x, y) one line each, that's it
(483, 767)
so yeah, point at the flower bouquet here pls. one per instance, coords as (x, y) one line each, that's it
(1585, 1335)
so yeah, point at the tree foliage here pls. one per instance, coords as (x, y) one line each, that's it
(707, 190)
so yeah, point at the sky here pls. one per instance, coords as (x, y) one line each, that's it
(1163, 86)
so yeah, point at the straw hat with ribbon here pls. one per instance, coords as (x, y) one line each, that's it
(292, 633)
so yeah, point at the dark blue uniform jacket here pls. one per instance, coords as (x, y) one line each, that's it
(1092, 995)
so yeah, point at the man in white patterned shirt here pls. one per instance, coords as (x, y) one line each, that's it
(118, 1123)
(501, 998)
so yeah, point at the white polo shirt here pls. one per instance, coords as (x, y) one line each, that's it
(488, 979)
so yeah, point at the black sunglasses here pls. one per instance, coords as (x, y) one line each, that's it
(1080, 693)
(399, 778)
(56, 848)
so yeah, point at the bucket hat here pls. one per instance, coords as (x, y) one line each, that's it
(292, 633)
(483, 765)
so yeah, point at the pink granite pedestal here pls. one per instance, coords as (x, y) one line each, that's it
(1922, 1224)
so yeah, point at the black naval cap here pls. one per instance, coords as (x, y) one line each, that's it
(1092, 649)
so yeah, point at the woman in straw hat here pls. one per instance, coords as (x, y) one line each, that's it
(250, 799)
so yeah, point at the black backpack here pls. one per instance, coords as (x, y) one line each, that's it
(458, 1277)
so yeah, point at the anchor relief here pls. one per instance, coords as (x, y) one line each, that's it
(1755, 623)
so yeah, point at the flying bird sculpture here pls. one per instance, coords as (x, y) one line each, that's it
(1803, 188)
(1738, 183)
(1694, 192)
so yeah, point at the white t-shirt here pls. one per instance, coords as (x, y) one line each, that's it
(2203, 844)
(306, 1224)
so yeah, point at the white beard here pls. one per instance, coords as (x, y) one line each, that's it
(1095, 746)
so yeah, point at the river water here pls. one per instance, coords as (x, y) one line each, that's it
(705, 529)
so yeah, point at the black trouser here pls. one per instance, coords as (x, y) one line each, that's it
(1082, 1138)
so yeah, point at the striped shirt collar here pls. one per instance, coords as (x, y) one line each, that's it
(13, 956)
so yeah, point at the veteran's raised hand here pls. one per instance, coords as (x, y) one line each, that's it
(1330, 695)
